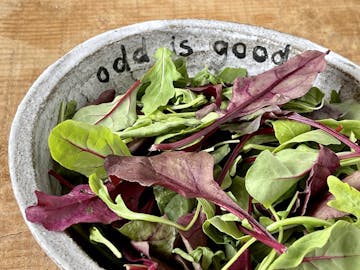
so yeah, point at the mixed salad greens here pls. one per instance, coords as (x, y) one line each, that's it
(214, 171)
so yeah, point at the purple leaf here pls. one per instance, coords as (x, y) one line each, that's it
(273, 87)
(104, 97)
(81, 205)
(191, 175)
(316, 184)
(195, 235)
(323, 211)
(210, 90)
(57, 213)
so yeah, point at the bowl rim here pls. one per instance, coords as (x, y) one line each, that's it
(53, 74)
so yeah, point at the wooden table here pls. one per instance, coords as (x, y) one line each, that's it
(33, 34)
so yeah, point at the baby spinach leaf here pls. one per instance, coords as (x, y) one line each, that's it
(82, 147)
(160, 237)
(286, 130)
(161, 77)
(271, 176)
(347, 198)
(336, 247)
(188, 173)
(116, 115)
(97, 237)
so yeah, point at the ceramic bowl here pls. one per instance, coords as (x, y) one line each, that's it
(114, 60)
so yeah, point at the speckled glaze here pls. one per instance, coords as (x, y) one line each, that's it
(97, 64)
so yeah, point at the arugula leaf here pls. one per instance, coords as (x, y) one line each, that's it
(271, 176)
(161, 77)
(347, 198)
(116, 115)
(97, 237)
(336, 247)
(83, 147)
(180, 64)
(188, 173)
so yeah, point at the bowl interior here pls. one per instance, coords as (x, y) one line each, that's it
(115, 60)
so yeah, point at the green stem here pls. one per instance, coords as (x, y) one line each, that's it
(295, 221)
(238, 254)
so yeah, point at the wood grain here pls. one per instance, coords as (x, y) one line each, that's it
(33, 34)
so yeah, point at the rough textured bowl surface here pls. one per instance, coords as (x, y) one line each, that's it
(114, 60)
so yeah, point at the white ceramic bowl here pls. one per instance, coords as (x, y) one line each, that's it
(113, 60)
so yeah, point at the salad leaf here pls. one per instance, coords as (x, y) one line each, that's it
(161, 77)
(160, 237)
(222, 228)
(271, 176)
(317, 135)
(116, 115)
(336, 247)
(322, 210)
(188, 173)
(286, 130)
(205, 256)
(97, 237)
(81, 205)
(345, 127)
(204, 77)
(104, 97)
(347, 198)
(325, 165)
(82, 147)
(229, 74)
(311, 101)
(195, 235)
